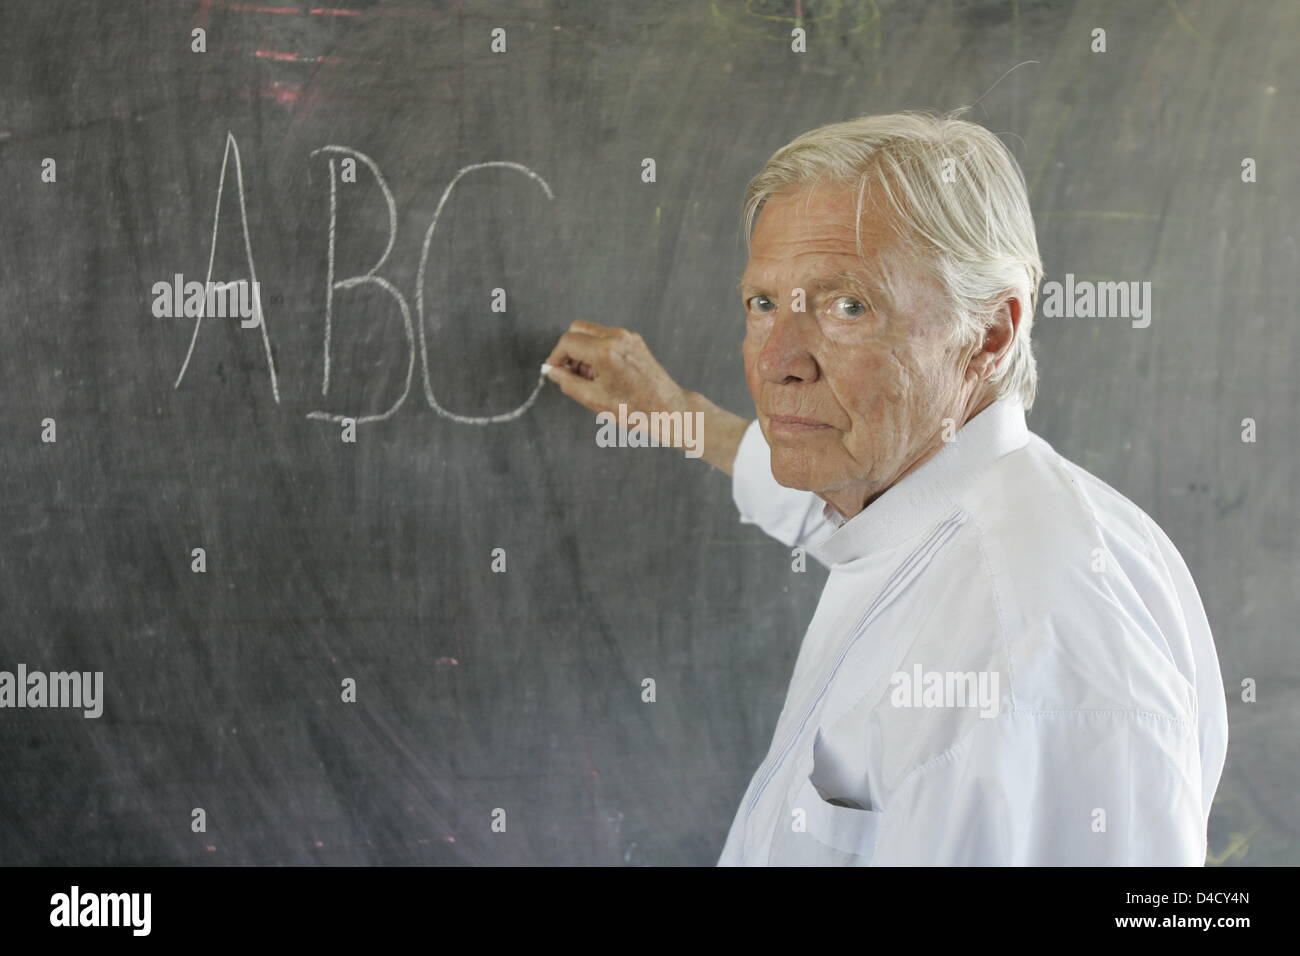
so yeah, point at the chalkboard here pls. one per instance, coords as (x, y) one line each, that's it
(429, 644)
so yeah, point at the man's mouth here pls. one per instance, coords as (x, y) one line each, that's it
(793, 424)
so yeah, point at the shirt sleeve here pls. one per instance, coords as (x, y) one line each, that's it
(1211, 702)
(793, 517)
(1067, 788)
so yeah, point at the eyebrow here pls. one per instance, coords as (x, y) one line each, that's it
(847, 279)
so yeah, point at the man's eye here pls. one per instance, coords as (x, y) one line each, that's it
(847, 307)
(759, 303)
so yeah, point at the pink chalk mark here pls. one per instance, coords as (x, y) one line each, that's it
(298, 57)
(204, 7)
(254, 8)
(281, 92)
(377, 12)
(447, 662)
(210, 848)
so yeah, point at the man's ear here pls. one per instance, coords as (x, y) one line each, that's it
(999, 335)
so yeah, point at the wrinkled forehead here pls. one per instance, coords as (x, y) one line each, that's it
(836, 227)
(837, 214)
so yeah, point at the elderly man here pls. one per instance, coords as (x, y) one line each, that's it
(1010, 663)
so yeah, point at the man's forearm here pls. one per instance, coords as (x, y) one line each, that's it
(722, 431)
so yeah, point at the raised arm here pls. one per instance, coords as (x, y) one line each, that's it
(602, 366)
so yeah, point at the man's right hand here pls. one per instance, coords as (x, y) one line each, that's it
(603, 366)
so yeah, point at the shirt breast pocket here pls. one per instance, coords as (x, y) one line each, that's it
(847, 830)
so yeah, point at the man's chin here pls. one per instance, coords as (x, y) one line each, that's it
(796, 473)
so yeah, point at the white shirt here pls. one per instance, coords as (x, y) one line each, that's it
(1102, 731)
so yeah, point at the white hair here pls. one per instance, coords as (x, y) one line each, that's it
(960, 199)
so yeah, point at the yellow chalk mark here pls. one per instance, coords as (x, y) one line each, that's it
(1183, 22)
(1121, 215)
(836, 10)
(1238, 846)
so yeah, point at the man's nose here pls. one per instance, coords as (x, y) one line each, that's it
(784, 356)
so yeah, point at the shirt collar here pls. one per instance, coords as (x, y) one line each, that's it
(915, 502)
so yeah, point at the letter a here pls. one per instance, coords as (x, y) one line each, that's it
(233, 147)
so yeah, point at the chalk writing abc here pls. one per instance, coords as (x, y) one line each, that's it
(414, 329)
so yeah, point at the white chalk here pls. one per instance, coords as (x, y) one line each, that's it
(546, 369)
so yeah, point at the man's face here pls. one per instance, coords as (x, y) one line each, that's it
(852, 391)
